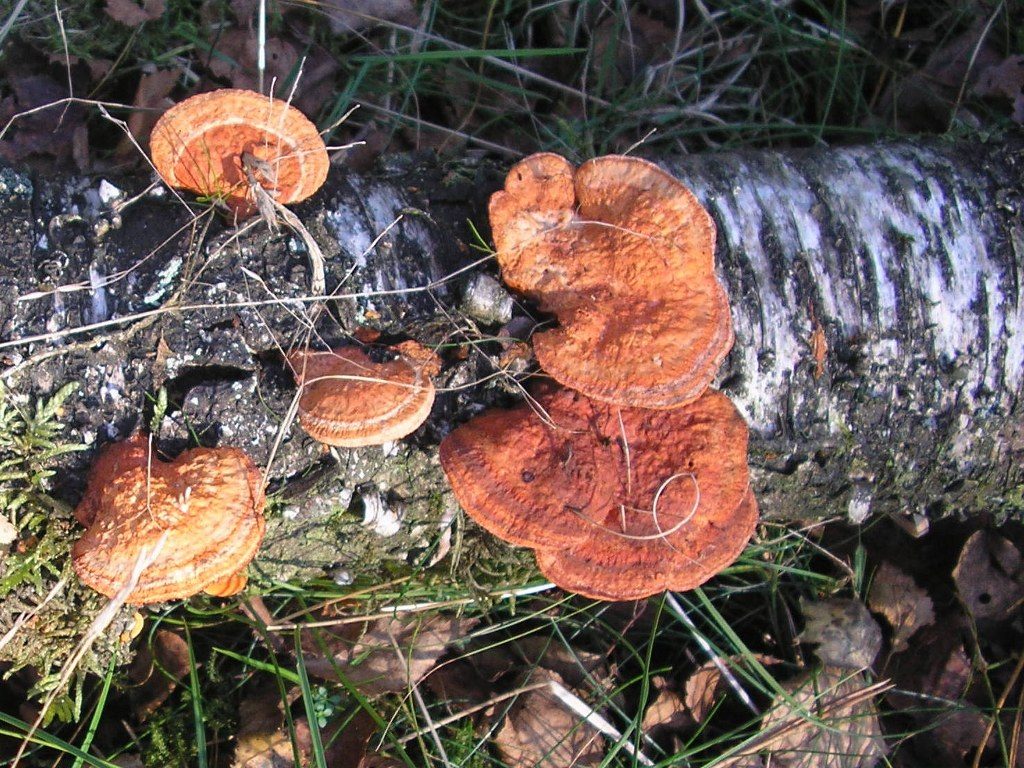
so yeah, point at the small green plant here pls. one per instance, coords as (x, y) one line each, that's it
(324, 705)
(30, 442)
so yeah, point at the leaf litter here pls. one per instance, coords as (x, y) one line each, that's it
(989, 576)
(987, 579)
(825, 722)
(906, 606)
(844, 631)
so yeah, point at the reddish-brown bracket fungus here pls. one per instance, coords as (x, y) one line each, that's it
(206, 506)
(619, 503)
(623, 254)
(217, 143)
(349, 400)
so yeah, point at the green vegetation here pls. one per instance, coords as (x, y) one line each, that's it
(508, 77)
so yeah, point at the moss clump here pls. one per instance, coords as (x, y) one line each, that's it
(42, 605)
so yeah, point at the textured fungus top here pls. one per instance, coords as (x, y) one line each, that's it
(199, 145)
(623, 254)
(209, 502)
(618, 503)
(349, 400)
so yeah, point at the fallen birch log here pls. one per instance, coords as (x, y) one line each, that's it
(875, 295)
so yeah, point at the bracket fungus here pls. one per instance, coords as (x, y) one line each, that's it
(349, 400)
(622, 254)
(220, 143)
(206, 507)
(618, 503)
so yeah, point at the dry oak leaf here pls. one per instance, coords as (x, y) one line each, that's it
(539, 730)
(705, 685)
(622, 254)
(262, 740)
(905, 605)
(236, 57)
(1005, 79)
(346, 16)
(823, 723)
(151, 98)
(206, 506)
(937, 669)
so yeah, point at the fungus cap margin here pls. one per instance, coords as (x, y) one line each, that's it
(623, 254)
(209, 500)
(198, 143)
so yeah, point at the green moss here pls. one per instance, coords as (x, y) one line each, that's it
(39, 593)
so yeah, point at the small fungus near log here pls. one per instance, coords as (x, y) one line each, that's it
(349, 400)
(618, 503)
(217, 143)
(208, 503)
(623, 254)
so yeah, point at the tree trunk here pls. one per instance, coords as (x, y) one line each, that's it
(879, 318)
(875, 290)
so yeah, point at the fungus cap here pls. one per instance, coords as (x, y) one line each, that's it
(349, 400)
(198, 145)
(209, 501)
(618, 503)
(643, 571)
(623, 254)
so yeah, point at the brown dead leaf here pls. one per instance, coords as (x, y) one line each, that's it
(378, 761)
(705, 686)
(845, 632)
(936, 669)
(235, 59)
(905, 605)
(666, 713)
(347, 743)
(702, 690)
(1005, 79)
(636, 44)
(262, 741)
(131, 14)
(989, 576)
(539, 730)
(47, 132)
(151, 99)
(848, 735)
(317, 85)
(347, 16)
(392, 655)
(156, 671)
(958, 730)
(573, 665)
(924, 100)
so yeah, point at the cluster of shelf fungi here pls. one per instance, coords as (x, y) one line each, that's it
(624, 472)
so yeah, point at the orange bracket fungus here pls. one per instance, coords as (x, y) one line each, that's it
(220, 143)
(622, 254)
(349, 400)
(206, 506)
(618, 503)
